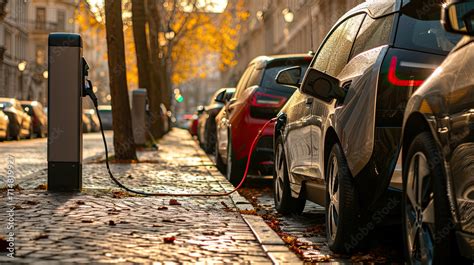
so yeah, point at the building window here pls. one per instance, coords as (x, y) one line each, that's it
(40, 55)
(61, 20)
(41, 18)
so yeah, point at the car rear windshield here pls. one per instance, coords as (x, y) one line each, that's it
(420, 29)
(269, 78)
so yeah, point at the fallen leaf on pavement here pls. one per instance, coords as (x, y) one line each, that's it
(169, 240)
(40, 236)
(41, 187)
(162, 208)
(174, 202)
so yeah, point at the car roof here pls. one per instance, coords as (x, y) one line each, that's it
(262, 61)
(376, 8)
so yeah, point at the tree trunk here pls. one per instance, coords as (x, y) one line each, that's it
(124, 143)
(145, 71)
(159, 71)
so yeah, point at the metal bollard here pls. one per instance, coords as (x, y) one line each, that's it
(65, 84)
(139, 102)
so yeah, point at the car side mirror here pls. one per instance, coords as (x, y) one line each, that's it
(290, 76)
(322, 86)
(220, 98)
(458, 17)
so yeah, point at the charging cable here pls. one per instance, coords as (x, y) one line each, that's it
(89, 92)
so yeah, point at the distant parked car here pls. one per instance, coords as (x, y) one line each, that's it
(39, 117)
(207, 128)
(20, 125)
(193, 122)
(257, 99)
(105, 112)
(93, 119)
(3, 126)
(438, 154)
(337, 140)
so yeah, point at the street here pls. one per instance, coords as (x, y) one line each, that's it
(92, 226)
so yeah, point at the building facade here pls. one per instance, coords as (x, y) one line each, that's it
(13, 48)
(45, 16)
(267, 31)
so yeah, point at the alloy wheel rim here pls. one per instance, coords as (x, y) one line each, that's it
(333, 192)
(419, 211)
(279, 181)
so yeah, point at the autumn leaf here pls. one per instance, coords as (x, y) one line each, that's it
(174, 202)
(169, 240)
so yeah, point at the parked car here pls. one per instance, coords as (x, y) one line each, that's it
(4, 134)
(438, 154)
(93, 120)
(207, 128)
(38, 116)
(337, 140)
(193, 122)
(257, 99)
(20, 125)
(105, 112)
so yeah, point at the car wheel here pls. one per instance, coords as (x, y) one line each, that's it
(218, 159)
(428, 230)
(235, 170)
(341, 206)
(284, 202)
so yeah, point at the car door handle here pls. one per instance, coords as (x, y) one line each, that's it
(309, 101)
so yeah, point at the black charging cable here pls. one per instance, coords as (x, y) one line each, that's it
(89, 92)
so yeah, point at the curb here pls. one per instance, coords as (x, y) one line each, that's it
(271, 243)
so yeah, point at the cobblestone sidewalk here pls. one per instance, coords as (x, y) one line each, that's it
(103, 224)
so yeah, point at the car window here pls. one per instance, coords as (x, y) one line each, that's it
(373, 33)
(424, 34)
(334, 55)
(242, 85)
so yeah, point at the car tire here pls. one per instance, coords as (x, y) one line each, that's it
(218, 159)
(235, 170)
(427, 218)
(341, 206)
(284, 203)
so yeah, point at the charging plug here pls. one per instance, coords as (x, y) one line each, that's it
(88, 91)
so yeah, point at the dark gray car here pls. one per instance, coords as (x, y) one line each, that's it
(337, 140)
(438, 154)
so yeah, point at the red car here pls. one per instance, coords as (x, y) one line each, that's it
(194, 121)
(258, 98)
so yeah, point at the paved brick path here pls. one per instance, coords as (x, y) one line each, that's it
(105, 225)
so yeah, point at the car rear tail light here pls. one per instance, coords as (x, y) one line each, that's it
(396, 81)
(264, 100)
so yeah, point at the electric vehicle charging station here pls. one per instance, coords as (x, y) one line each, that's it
(139, 103)
(66, 80)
